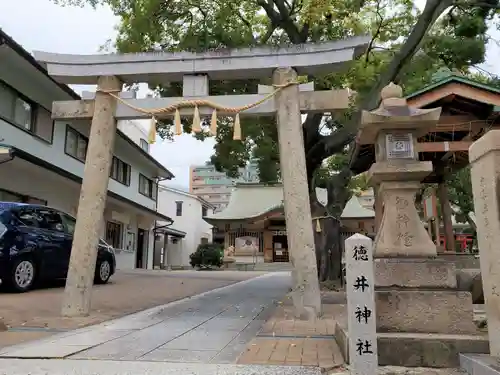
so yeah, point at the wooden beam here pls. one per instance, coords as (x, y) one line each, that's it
(310, 101)
(468, 138)
(459, 127)
(459, 89)
(443, 146)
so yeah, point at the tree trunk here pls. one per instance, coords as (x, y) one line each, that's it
(328, 248)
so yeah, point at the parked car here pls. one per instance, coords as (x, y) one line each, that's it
(35, 244)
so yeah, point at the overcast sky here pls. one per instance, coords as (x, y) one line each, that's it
(41, 25)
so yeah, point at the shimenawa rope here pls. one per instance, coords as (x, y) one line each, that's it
(196, 116)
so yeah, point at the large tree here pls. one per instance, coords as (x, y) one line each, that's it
(408, 46)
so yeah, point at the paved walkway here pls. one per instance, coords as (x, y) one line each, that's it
(283, 340)
(214, 327)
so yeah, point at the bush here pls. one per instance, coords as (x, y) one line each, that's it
(207, 256)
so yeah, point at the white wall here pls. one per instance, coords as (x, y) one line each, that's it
(60, 192)
(21, 177)
(54, 154)
(18, 73)
(190, 222)
(135, 130)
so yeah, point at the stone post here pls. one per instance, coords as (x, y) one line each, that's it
(361, 316)
(484, 156)
(166, 257)
(92, 202)
(305, 294)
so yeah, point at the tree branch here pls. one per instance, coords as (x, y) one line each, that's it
(377, 33)
(282, 19)
(268, 34)
(433, 9)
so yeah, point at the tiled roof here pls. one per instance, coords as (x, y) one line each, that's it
(250, 200)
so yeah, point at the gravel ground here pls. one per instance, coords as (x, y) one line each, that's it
(126, 293)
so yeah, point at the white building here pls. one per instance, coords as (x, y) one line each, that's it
(187, 231)
(135, 130)
(42, 161)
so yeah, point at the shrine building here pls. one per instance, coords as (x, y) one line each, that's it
(254, 221)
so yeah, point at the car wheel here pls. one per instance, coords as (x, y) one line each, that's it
(102, 272)
(23, 275)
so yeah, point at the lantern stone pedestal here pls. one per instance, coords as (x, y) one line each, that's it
(422, 318)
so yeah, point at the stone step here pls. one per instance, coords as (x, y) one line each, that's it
(278, 266)
(241, 266)
(479, 364)
(97, 367)
(420, 349)
(262, 267)
(244, 253)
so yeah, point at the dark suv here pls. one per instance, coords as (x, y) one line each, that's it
(35, 244)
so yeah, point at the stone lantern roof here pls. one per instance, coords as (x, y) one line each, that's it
(395, 113)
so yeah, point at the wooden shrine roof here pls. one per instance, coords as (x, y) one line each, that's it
(469, 109)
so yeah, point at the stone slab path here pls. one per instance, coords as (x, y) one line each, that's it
(99, 367)
(213, 327)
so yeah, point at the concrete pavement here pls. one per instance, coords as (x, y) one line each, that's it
(213, 327)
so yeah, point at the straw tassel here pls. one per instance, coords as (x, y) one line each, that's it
(152, 131)
(213, 123)
(196, 121)
(237, 128)
(318, 226)
(178, 123)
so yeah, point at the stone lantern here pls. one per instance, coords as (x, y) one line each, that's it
(394, 128)
(421, 317)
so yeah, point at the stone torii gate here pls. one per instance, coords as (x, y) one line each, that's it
(109, 104)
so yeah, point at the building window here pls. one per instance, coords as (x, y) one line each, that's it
(114, 232)
(144, 145)
(120, 171)
(76, 144)
(147, 187)
(204, 211)
(23, 114)
(16, 109)
(178, 208)
(44, 127)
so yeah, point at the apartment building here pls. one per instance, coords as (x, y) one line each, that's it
(215, 187)
(42, 161)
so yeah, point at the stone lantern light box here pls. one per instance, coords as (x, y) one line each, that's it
(394, 128)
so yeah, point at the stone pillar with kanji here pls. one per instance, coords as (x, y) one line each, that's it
(422, 319)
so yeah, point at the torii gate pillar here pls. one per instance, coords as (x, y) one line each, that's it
(92, 202)
(305, 293)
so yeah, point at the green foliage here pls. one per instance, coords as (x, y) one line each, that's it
(207, 256)
(460, 194)
(408, 46)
